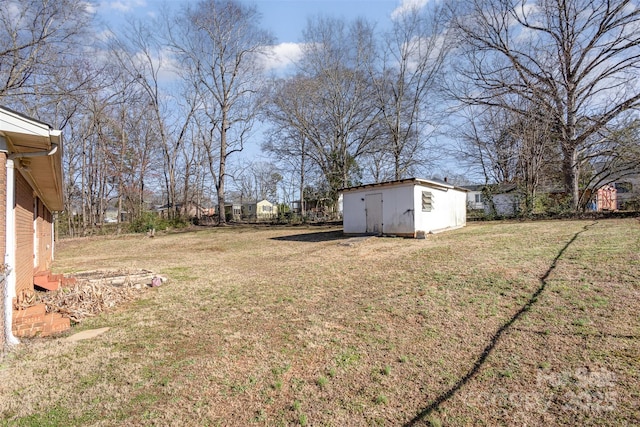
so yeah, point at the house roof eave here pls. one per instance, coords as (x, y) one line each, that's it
(23, 138)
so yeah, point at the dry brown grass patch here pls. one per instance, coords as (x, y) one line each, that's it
(282, 326)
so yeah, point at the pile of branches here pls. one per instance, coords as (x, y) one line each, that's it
(88, 298)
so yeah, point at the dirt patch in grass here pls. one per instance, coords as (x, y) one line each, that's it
(497, 324)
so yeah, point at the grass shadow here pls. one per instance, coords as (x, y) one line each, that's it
(319, 236)
(435, 404)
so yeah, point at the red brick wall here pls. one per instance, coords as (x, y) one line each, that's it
(45, 241)
(3, 204)
(24, 234)
(3, 209)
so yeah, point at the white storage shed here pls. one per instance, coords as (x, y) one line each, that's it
(409, 207)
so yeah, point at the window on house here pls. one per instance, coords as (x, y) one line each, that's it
(427, 201)
(266, 209)
(478, 198)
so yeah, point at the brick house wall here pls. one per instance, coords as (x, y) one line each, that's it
(3, 230)
(44, 237)
(24, 234)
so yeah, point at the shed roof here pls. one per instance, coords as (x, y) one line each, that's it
(435, 183)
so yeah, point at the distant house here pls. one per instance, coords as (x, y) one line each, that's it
(188, 210)
(259, 211)
(507, 200)
(194, 210)
(498, 199)
(30, 191)
(628, 193)
(475, 197)
(163, 210)
(408, 207)
(111, 216)
(318, 207)
(233, 211)
(604, 198)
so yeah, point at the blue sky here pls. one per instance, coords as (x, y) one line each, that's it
(286, 18)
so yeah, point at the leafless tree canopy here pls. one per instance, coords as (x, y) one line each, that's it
(156, 113)
(220, 48)
(362, 106)
(576, 61)
(38, 40)
(406, 81)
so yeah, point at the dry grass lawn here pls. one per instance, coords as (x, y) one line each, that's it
(531, 323)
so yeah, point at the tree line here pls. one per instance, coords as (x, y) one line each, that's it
(535, 93)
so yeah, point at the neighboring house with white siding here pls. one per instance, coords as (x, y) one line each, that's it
(259, 211)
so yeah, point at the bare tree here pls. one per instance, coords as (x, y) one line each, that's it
(576, 59)
(140, 54)
(488, 146)
(612, 155)
(220, 47)
(37, 40)
(508, 148)
(288, 112)
(406, 88)
(328, 105)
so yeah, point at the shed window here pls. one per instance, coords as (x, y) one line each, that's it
(427, 201)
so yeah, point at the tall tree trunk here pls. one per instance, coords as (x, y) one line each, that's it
(302, 179)
(123, 143)
(222, 219)
(571, 174)
(83, 186)
(571, 167)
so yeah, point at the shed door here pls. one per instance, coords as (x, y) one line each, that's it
(373, 209)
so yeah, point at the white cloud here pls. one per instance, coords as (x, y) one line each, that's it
(406, 6)
(89, 7)
(282, 55)
(125, 5)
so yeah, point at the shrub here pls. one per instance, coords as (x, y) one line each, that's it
(149, 220)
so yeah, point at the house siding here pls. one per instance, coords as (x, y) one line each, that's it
(474, 200)
(256, 210)
(3, 204)
(44, 237)
(24, 205)
(3, 240)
